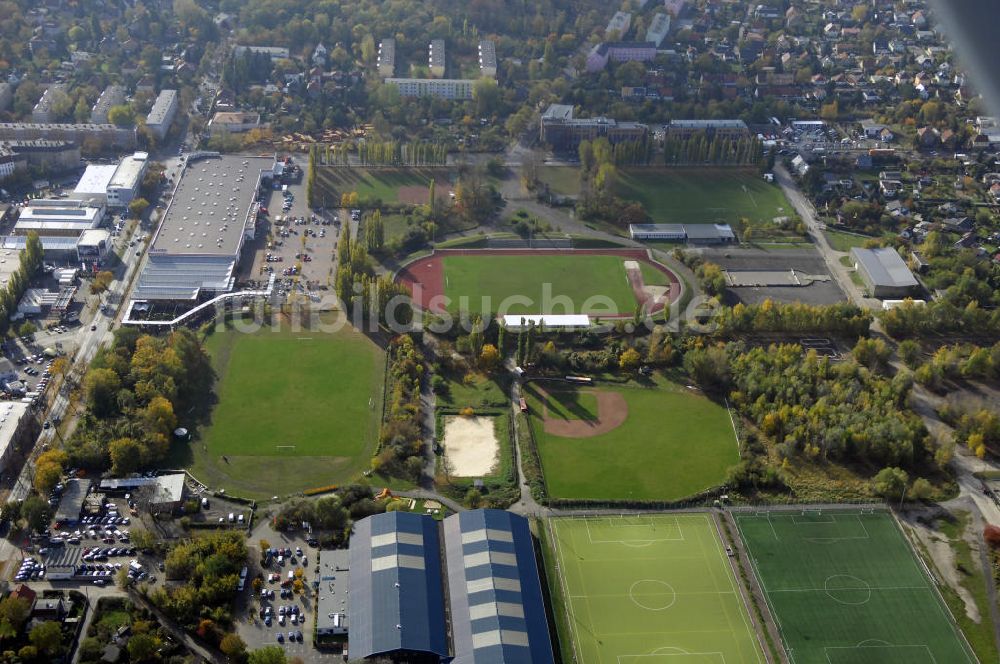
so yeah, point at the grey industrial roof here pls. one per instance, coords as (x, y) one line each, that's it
(497, 611)
(168, 277)
(487, 53)
(11, 415)
(708, 231)
(884, 266)
(210, 206)
(73, 496)
(334, 580)
(705, 124)
(397, 597)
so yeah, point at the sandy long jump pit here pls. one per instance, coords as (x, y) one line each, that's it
(470, 444)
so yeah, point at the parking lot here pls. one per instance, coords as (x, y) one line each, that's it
(275, 611)
(294, 244)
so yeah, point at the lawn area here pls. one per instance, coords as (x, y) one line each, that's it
(842, 241)
(295, 410)
(653, 277)
(382, 184)
(704, 196)
(674, 443)
(562, 180)
(572, 405)
(475, 390)
(845, 587)
(488, 281)
(646, 589)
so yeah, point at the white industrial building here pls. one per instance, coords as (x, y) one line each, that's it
(516, 322)
(59, 217)
(93, 184)
(113, 185)
(691, 233)
(162, 114)
(127, 180)
(197, 246)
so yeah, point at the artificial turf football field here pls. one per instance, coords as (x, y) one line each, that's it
(647, 589)
(295, 409)
(846, 588)
(488, 282)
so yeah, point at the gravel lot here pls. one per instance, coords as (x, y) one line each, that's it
(806, 259)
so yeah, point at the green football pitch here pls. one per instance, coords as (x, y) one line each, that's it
(846, 587)
(296, 409)
(647, 589)
(588, 284)
(704, 196)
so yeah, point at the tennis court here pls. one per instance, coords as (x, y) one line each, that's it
(647, 589)
(845, 587)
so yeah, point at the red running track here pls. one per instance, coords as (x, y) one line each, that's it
(429, 272)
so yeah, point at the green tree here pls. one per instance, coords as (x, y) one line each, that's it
(891, 483)
(233, 647)
(121, 116)
(268, 655)
(629, 360)
(47, 637)
(36, 513)
(14, 611)
(137, 207)
(125, 456)
(142, 647)
(101, 388)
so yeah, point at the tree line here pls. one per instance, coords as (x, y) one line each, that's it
(20, 279)
(716, 151)
(394, 153)
(401, 441)
(357, 285)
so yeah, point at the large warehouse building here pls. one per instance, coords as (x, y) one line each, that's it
(884, 272)
(396, 592)
(197, 246)
(491, 613)
(497, 610)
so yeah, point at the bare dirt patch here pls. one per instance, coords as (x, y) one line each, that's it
(470, 444)
(612, 411)
(420, 195)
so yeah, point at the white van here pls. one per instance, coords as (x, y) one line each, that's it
(232, 517)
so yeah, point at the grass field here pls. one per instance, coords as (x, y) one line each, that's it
(295, 410)
(704, 196)
(841, 241)
(845, 587)
(578, 278)
(379, 183)
(562, 180)
(647, 589)
(674, 443)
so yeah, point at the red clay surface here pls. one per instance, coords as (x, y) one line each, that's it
(612, 411)
(428, 272)
(420, 195)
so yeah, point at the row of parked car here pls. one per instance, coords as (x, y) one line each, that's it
(30, 570)
(105, 552)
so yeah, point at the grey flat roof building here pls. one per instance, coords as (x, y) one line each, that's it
(198, 243)
(71, 503)
(332, 609)
(496, 606)
(884, 271)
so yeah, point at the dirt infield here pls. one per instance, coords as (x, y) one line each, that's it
(612, 411)
(428, 272)
(420, 195)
